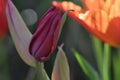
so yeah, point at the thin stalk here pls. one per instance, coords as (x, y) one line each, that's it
(106, 62)
(97, 46)
(40, 72)
(116, 65)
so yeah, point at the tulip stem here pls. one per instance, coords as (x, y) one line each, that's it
(106, 62)
(40, 72)
(98, 52)
(116, 64)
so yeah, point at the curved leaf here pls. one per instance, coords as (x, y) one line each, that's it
(20, 34)
(86, 67)
(61, 67)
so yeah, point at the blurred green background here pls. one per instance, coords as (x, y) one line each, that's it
(73, 36)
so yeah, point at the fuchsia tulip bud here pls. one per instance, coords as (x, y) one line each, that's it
(45, 39)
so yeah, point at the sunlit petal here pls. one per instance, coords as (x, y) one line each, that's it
(101, 20)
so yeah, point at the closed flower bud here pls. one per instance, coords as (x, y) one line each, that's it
(45, 38)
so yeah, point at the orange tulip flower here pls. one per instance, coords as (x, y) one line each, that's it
(3, 20)
(99, 17)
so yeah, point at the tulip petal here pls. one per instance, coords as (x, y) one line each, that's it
(48, 46)
(61, 67)
(20, 34)
(41, 33)
(45, 39)
(98, 4)
(102, 22)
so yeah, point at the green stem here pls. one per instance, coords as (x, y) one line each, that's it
(116, 65)
(106, 62)
(97, 45)
(4, 63)
(40, 72)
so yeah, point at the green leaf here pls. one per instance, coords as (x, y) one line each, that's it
(37, 73)
(106, 62)
(86, 67)
(116, 66)
(98, 52)
(64, 17)
(61, 67)
(20, 34)
(40, 72)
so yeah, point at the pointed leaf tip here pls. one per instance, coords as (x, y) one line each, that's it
(64, 17)
(61, 72)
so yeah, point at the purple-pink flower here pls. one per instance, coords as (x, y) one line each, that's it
(45, 38)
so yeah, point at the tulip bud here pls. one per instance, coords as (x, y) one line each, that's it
(45, 39)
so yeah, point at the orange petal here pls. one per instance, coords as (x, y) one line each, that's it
(64, 6)
(94, 21)
(115, 11)
(93, 4)
(114, 30)
(98, 24)
(108, 5)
